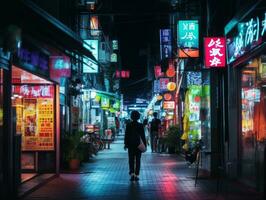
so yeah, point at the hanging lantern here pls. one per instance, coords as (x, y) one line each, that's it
(170, 72)
(171, 86)
(159, 97)
(167, 96)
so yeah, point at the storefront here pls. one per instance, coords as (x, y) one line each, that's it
(246, 55)
(194, 109)
(35, 109)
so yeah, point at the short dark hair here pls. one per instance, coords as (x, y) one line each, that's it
(135, 115)
(155, 114)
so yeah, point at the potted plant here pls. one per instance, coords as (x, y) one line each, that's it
(73, 150)
(172, 139)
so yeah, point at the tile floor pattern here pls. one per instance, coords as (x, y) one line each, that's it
(163, 177)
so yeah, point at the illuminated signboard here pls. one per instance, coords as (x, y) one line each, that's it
(94, 25)
(105, 102)
(165, 43)
(59, 67)
(91, 66)
(114, 57)
(93, 46)
(246, 35)
(163, 84)
(169, 105)
(156, 86)
(115, 44)
(158, 71)
(214, 52)
(33, 91)
(188, 38)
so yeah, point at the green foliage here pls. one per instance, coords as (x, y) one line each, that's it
(72, 147)
(172, 137)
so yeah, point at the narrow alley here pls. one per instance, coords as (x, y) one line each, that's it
(163, 176)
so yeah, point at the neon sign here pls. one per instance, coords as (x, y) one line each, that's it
(214, 51)
(245, 36)
(188, 38)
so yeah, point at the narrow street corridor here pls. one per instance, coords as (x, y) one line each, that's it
(163, 176)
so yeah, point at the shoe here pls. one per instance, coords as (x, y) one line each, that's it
(132, 178)
(136, 178)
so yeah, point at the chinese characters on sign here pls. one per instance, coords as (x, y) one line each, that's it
(163, 84)
(214, 52)
(188, 38)
(245, 36)
(165, 43)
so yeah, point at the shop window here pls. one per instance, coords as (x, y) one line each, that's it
(253, 113)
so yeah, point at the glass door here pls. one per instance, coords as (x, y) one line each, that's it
(253, 134)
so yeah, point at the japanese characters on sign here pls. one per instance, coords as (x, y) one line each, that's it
(188, 38)
(115, 44)
(245, 36)
(215, 55)
(165, 43)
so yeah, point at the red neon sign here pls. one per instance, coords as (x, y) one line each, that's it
(215, 55)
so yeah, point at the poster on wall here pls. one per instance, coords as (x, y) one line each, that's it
(38, 126)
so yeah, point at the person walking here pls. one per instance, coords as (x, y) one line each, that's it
(133, 135)
(146, 131)
(155, 128)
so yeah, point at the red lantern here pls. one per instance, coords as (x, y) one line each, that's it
(167, 96)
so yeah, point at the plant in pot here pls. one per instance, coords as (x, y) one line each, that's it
(172, 139)
(74, 150)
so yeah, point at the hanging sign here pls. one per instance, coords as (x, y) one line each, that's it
(89, 65)
(157, 71)
(115, 44)
(169, 105)
(156, 86)
(214, 52)
(165, 43)
(163, 84)
(188, 38)
(59, 67)
(246, 35)
(114, 57)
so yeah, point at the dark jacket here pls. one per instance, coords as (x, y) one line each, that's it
(134, 131)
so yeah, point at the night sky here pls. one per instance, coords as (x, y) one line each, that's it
(137, 25)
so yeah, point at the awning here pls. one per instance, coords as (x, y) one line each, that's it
(40, 24)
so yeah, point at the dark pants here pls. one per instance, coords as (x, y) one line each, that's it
(154, 136)
(134, 156)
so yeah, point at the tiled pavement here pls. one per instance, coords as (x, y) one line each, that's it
(162, 177)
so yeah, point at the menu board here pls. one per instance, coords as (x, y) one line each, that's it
(38, 126)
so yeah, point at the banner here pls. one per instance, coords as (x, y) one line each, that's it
(165, 43)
